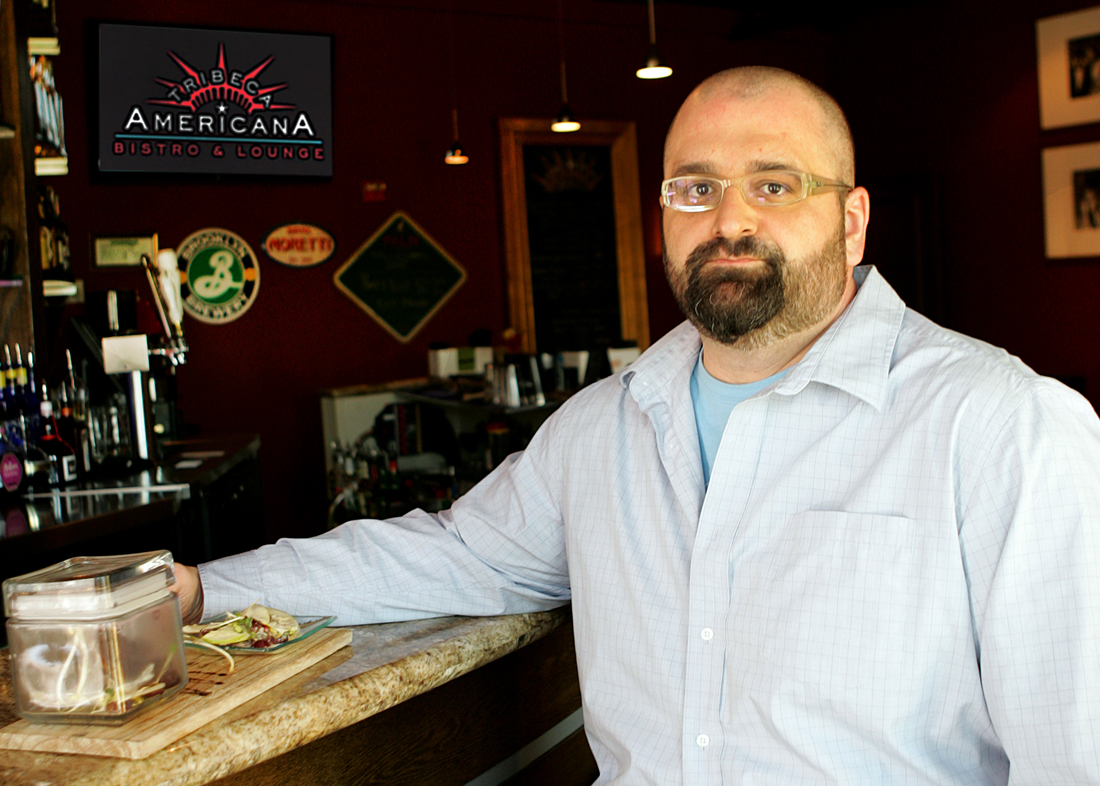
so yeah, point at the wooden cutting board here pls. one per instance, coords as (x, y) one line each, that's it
(211, 691)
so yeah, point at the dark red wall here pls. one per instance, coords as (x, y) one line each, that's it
(943, 91)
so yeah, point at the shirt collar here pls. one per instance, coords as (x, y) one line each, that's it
(854, 353)
(664, 370)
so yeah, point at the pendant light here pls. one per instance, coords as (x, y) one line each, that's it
(565, 122)
(655, 67)
(457, 153)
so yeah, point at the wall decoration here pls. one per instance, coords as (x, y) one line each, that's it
(1071, 200)
(400, 276)
(1069, 68)
(198, 101)
(299, 245)
(220, 276)
(124, 251)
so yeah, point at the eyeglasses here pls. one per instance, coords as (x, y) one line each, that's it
(696, 193)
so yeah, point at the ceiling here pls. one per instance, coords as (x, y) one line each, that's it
(756, 19)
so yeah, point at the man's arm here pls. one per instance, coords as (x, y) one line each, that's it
(500, 549)
(1031, 536)
(189, 588)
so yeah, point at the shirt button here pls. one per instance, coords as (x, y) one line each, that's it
(707, 634)
(702, 740)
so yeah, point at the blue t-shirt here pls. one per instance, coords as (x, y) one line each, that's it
(714, 400)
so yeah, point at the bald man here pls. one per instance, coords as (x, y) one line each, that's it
(809, 536)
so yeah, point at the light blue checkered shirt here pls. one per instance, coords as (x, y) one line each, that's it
(894, 577)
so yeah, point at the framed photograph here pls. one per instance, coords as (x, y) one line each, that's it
(199, 101)
(124, 251)
(1069, 68)
(1071, 200)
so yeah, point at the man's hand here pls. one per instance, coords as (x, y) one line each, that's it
(189, 587)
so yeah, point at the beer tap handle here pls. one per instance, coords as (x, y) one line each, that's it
(157, 297)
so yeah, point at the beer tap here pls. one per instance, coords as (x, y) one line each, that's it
(164, 280)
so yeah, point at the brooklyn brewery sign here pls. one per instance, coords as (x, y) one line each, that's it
(196, 101)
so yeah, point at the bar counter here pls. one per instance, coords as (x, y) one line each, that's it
(181, 503)
(431, 701)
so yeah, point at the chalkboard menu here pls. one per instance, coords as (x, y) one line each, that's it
(400, 276)
(571, 232)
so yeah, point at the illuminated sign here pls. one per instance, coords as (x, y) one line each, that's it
(198, 101)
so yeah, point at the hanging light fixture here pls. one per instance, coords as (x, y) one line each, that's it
(655, 67)
(565, 122)
(457, 153)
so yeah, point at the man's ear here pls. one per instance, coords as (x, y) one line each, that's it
(857, 211)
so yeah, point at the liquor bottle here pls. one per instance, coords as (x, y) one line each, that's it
(47, 249)
(336, 471)
(21, 376)
(74, 433)
(13, 474)
(391, 490)
(80, 390)
(6, 396)
(25, 386)
(15, 412)
(62, 456)
(63, 268)
(38, 468)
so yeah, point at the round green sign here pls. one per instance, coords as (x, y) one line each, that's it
(220, 275)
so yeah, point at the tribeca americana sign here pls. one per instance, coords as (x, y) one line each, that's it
(198, 101)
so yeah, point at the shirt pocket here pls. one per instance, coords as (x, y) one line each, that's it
(847, 610)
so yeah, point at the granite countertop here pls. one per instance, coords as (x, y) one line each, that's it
(386, 665)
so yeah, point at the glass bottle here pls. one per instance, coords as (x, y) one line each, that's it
(61, 454)
(74, 433)
(62, 252)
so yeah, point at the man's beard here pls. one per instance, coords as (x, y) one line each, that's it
(753, 307)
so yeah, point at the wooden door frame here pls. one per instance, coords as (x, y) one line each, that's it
(621, 138)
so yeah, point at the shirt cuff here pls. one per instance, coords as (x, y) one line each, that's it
(231, 584)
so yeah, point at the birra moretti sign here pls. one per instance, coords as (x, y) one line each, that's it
(195, 101)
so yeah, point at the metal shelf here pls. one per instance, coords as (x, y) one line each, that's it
(43, 45)
(54, 165)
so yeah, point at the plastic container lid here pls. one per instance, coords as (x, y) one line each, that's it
(89, 587)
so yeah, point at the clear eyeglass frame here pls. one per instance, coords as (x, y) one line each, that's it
(788, 187)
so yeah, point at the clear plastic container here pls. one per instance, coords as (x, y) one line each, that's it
(95, 639)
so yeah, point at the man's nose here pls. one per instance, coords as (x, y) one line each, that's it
(734, 217)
